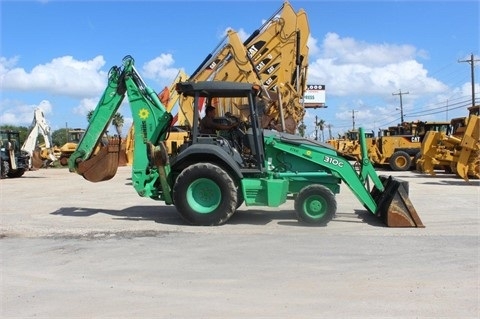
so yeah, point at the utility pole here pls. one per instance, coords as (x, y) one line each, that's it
(316, 128)
(472, 68)
(353, 120)
(400, 93)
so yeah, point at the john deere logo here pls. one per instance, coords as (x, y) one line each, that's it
(143, 114)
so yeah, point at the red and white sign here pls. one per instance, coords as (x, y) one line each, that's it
(314, 96)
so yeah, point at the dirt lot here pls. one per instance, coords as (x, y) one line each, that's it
(74, 249)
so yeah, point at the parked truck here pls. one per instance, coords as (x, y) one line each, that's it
(212, 176)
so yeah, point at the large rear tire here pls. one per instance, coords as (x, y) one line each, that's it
(400, 161)
(315, 204)
(204, 194)
(4, 169)
(16, 173)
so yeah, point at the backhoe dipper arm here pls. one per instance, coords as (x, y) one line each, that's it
(106, 108)
(150, 120)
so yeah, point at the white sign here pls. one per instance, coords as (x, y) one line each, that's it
(314, 96)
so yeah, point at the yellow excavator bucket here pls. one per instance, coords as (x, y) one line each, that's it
(394, 206)
(103, 164)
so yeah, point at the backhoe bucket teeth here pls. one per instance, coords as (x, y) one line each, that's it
(394, 206)
(103, 165)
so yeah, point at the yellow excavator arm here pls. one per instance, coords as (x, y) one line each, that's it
(274, 57)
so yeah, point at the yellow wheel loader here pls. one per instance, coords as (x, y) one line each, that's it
(397, 148)
(73, 137)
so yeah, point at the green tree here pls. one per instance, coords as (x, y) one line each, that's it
(89, 115)
(320, 125)
(301, 129)
(117, 121)
(59, 137)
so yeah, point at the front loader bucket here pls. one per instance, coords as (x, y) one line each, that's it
(393, 204)
(103, 165)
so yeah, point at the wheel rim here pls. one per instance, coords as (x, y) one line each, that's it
(401, 161)
(315, 207)
(203, 195)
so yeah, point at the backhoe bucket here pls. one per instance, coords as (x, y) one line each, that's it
(37, 161)
(393, 204)
(103, 165)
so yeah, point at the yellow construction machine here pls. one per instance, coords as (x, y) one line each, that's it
(348, 144)
(457, 152)
(397, 148)
(275, 57)
(73, 137)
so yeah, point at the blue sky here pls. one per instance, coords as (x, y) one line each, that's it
(56, 54)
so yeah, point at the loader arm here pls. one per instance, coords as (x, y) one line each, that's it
(388, 199)
(150, 121)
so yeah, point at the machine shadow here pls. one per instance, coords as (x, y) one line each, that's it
(368, 218)
(260, 217)
(169, 215)
(163, 215)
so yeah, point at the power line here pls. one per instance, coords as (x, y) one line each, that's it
(450, 108)
(461, 103)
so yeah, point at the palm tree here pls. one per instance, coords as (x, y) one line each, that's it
(89, 115)
(321, 125)
(301, 129)
(117, 121)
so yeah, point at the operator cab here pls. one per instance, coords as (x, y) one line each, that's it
(237, 103)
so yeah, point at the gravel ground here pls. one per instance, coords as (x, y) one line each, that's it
(75, 249)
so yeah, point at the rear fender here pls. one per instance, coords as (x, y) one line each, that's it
(207, 153)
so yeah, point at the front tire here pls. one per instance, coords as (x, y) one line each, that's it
(315, 204)
(400, 161)
(204, 194)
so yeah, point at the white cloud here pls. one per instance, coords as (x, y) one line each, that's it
(313, 49)
(350, 67)
(18, 113)
(160, 68)
(61, 76)
(86, 105)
